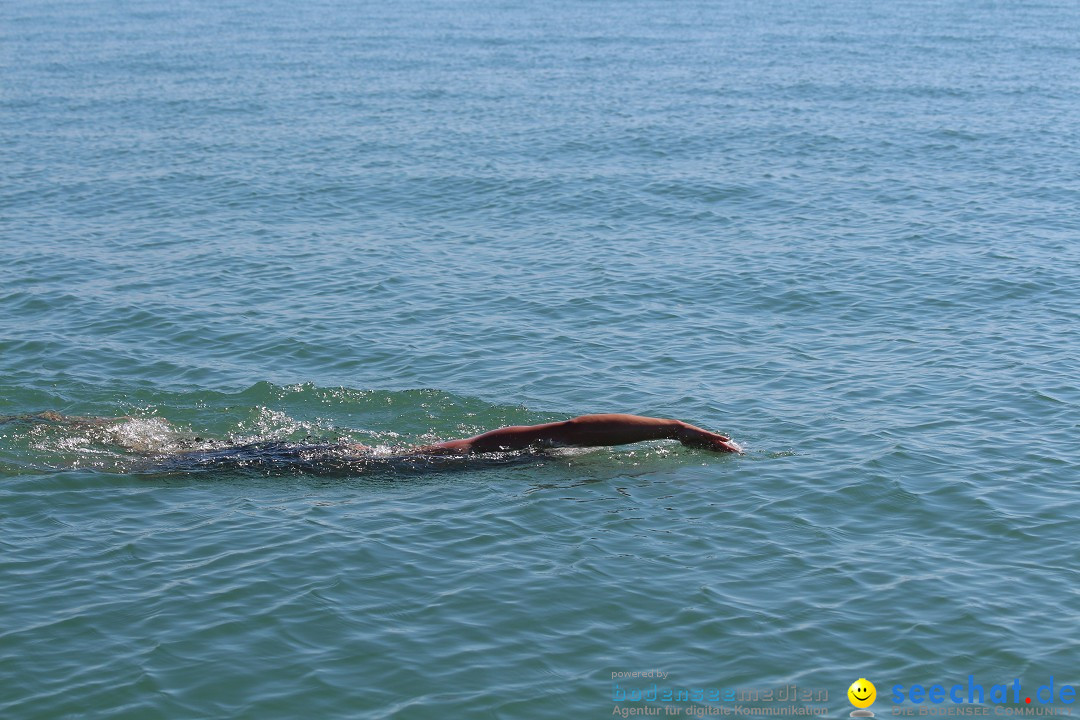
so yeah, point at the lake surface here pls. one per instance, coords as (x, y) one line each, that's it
(844, 233)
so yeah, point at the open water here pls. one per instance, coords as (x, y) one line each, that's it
(844, 233)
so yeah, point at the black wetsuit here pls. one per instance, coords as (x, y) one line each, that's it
(327, 458)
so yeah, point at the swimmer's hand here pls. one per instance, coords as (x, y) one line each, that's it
(693, 436)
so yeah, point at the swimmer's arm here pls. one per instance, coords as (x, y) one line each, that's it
(587, 431)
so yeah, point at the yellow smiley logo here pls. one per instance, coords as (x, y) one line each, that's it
(862, 693)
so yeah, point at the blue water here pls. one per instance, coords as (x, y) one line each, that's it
(844, 233)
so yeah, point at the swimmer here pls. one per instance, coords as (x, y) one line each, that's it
(582, 431)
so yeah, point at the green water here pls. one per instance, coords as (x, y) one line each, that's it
(843, 234)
